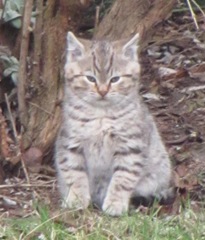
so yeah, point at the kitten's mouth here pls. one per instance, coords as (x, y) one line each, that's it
(102, 101)
(104, 98)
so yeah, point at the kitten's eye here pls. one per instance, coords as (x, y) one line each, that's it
(114, 79)
(91, 79)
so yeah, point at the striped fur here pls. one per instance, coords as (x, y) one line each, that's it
(108, 149)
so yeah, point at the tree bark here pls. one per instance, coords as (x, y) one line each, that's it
(44, 88)
(128, 17)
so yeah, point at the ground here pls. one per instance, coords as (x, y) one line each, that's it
(173, 86)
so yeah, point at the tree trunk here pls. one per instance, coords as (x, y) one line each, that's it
(128, 17)
(44, 87)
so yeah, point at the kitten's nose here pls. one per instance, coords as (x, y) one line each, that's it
(103, 90)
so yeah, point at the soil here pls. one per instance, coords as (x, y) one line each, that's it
(173, 86)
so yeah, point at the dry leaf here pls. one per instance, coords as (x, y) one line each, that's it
(181, 170)
(33, 159)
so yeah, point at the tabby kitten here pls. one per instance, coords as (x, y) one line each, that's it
(108, 149)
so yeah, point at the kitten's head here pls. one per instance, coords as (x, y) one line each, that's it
(102, 72)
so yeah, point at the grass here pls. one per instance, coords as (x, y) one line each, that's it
(92, 225)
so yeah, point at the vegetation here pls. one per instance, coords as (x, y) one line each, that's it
(12, 13)
(89, 225)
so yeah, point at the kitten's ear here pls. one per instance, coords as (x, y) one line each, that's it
(130, 48)
(75, 49)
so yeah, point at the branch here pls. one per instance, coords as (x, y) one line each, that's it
(23, 55)
(18, 153)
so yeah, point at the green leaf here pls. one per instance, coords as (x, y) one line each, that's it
(16, 5)
(16, 23)
(7, 72)
(14, 60)
(5, 60)
(14, 11)
(19, 4)
(11, 15)
(14, 77)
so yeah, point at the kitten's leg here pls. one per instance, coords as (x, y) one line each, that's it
(73, 180)
(158, 182)
(127, 172)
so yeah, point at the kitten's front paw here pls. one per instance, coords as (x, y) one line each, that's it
(76, 200)
(115, 208)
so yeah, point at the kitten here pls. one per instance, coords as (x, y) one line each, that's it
(108, 149)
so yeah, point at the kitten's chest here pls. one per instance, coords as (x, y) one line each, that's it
(98, 153)
(99, 128)
(98, 148)
(98, 138)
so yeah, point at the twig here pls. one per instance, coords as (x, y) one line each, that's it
(192, 14)
(16, 139)
(198, 6)
(177, 141)
(25, 169)
(26, 185)
(37, 106)
(97, 16)
(11, 119)
(193, 89)
(111, 233)
(23, 55)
